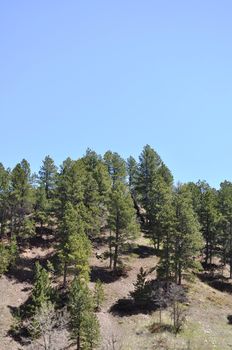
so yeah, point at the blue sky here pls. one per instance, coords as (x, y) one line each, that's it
(118, 75)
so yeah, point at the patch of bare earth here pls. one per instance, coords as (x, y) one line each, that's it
(206, 327)
(15, 290)
(13, 294)
(122, 332)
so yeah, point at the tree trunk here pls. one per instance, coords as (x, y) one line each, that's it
(116, 242)
(2, 228)
(78, 342)
(115, 256)
(211, 253)
(167, 260)
(158, 242)
(207, 250)
(65, 275)
(179, 274)
(110, 248)
(230, 249)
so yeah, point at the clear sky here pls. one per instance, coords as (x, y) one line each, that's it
(117, 75)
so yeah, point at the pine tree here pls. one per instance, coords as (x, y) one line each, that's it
(149, 163)
(13, 252)
(116, 167)
(166, 174)
(41, 206)
(208, 218)
(91, 201)
(83, 323)
(141, 291)
(75, 247)
(132, 171)
(205, 204)
(167, 226)
(69, 187)
(187, 240)
(4, 258)
(225, 223)
(122, 218)
(4, 198)
(98, 294)
(27, 228)
(160, 197)
(42, 291)
(47, 176)
(91, 160)
(8, 255)
(21, 197)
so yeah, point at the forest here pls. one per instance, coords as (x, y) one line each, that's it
(107, 253)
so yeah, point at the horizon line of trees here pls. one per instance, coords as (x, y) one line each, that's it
(94, 192)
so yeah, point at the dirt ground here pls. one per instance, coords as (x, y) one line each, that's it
(206, 326)
(120, 330)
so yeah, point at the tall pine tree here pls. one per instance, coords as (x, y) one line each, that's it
(122, 218)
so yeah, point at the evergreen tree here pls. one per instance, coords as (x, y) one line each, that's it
(47, 176)
(91, 160)
(42, 291)
(188, 239)
(41, 206)
(91, 201)
(149, 163)
(225, 223)
(75, 247)
(208, 218)
(96, 184)
(141, 293)
(166, 228)
(182, 239)
(13, 252)
(27, 228)
(166, 174)
(8, 255)
(205, 204)
(98, 294)
(116, 167)
(158, 210)
(69, 185)
(4, 198)
(85, 183)
(92, 331)
(132, 171)
(21, 195)
(122, 218)
(4, 258)
(102, 178)
(83, 323)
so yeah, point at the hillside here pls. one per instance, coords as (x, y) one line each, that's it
(206, 326)
(111, 254)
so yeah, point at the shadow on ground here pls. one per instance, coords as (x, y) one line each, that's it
(142, 251)
(216, 281)
(156, 294)
(127, 307)
(24, 270)
(106, 275)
